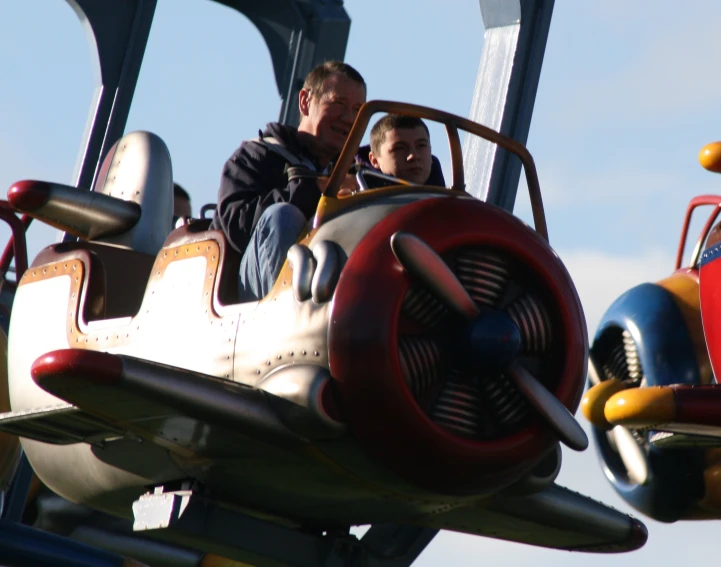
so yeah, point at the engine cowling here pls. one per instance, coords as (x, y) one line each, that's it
(652, 336)
(406, 378)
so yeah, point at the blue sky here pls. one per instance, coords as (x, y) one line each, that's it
(629, 94)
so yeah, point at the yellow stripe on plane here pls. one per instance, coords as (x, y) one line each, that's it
(642, 407)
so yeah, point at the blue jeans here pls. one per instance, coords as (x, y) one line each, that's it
(277, 230)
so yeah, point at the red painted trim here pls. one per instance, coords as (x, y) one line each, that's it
(363, 349)
(699, 405)
(29, 195)
(710, 292)
(77, 365)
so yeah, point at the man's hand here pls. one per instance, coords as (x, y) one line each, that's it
(347, 187)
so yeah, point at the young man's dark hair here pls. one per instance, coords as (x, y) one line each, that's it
(178, 191)
(391, 122)
(181, 203)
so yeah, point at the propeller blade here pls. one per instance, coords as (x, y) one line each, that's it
(631, 453)
(422, 262)
(553, 411)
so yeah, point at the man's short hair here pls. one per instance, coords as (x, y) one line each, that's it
(320, 73)
(391, 122)
(178, 191)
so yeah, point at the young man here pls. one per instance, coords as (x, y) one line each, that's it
(261, 209)
(401, 147)
(181, 203)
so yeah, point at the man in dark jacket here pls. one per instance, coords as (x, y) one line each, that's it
(261, 209)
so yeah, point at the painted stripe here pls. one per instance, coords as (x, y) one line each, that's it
(711, 254)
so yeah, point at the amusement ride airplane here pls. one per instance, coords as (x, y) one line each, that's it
(415, 367)
(654, 398)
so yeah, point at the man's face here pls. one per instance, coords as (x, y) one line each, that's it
(405, 153)
(329, 115)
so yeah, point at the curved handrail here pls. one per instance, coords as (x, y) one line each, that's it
(452, 123)
(696, 202)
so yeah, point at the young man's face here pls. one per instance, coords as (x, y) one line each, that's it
(405, 153)
(329, 115)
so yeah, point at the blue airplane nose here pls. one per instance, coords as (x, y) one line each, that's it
(490, 342)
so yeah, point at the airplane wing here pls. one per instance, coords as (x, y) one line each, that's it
(555, 517)
(202, 416)
(111, 396)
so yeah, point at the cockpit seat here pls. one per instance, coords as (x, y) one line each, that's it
(198, 231)
(130, 206)
(138, 170)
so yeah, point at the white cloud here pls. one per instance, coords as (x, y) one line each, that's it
(601, 277)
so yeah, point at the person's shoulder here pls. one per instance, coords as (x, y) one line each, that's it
(286, 136)
(362, 158)
(258, 147)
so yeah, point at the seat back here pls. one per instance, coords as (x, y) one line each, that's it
(138, 169)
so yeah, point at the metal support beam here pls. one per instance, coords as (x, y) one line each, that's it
(17, 495)
(21, 546)
(118, 33)
(299, 34)
(506, 85)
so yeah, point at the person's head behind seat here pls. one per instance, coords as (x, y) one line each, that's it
(401, 147)
(329, 101)
(181, 203)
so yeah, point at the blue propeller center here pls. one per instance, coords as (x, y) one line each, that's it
(490, 342)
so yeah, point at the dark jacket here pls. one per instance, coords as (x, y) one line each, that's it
(254, 178)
